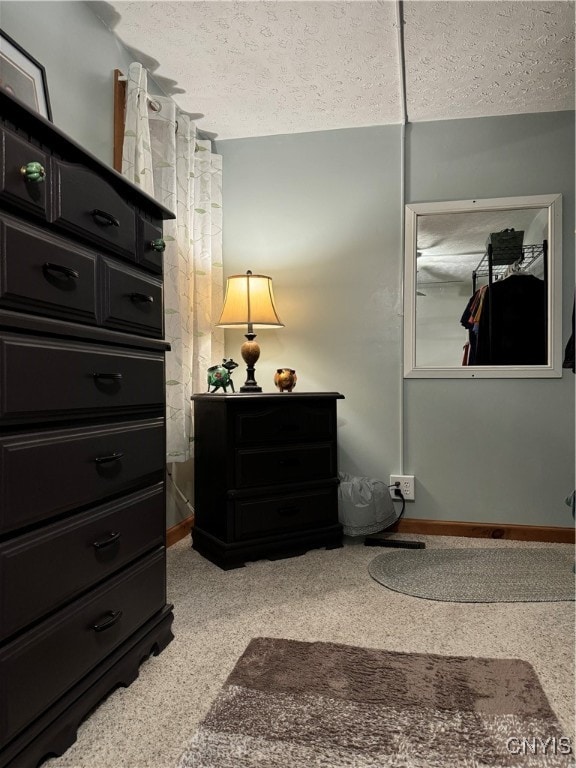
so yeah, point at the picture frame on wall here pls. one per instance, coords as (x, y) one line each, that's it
(23, 77)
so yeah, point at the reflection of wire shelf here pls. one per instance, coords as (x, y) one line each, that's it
(495, 267)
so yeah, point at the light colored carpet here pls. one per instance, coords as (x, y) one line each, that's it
(491, 575)
(289, 704)
(322, 596)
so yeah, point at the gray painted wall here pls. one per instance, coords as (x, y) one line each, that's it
(320, 212)
(80, 56)
(494, 450)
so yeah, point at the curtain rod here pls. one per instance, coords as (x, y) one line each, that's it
(155, 106)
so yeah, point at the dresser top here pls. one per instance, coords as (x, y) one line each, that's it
(18, 117)
(260, 396)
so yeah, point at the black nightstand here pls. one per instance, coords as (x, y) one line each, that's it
(266, 475)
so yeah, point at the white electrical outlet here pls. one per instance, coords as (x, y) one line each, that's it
(406, 486)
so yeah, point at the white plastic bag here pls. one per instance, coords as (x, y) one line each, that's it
(364, 505)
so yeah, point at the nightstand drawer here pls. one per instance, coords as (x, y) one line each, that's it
(40, 666)
(87, 205)
(45, 274)
(262, 467)
(40, 572)
(46, 376)
(258, 518)
(29, 193)
(75, 467)
(289, 422)
(132, 300)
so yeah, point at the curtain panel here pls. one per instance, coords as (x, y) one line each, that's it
(163, 155)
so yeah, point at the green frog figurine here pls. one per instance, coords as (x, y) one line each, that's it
(220, 376)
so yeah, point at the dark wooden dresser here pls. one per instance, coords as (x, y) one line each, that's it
(82, 435)
(266, 475)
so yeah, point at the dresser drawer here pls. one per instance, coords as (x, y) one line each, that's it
(45, 377)
(28, 194)
(294, 422)
(44, 274)
(39, 667)
(258, 518)
(264, 467)
(43, 474)
(41, 571)
(132, 301)
(88, 206)
(150, 245)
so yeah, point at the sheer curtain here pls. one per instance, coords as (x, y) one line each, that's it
(163, 155)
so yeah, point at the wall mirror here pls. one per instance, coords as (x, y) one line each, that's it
(482, 288)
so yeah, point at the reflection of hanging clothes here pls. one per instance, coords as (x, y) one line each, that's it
(470, 320)
(512, 329)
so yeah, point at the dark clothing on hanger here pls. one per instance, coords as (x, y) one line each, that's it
(512, 329)
(569, 351)
(466, 321)
(469, 320)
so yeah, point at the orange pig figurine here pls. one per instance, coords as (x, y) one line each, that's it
(285, 379)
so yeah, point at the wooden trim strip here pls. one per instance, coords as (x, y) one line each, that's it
(550, 534)
(179, 531)
(119, 118)
(486, 530)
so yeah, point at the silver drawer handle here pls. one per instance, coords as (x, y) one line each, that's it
(113, 617)
(61, 269)
(114, 536)
(142, 297)
(113, 376)
(111, 457)
(101, 217)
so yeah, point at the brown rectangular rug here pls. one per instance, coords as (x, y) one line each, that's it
(291, 704)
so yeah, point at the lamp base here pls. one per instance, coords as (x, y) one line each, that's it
(250, 351)
(250, 388)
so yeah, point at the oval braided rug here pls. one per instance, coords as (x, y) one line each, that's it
(504, 575)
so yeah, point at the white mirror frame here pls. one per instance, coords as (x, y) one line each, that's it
(554, 368)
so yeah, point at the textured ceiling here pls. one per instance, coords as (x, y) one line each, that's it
(471, 59)
(275, 66)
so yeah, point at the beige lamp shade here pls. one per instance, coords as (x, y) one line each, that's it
(249, 300)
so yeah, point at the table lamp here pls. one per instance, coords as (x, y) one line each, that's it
(249, 300)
